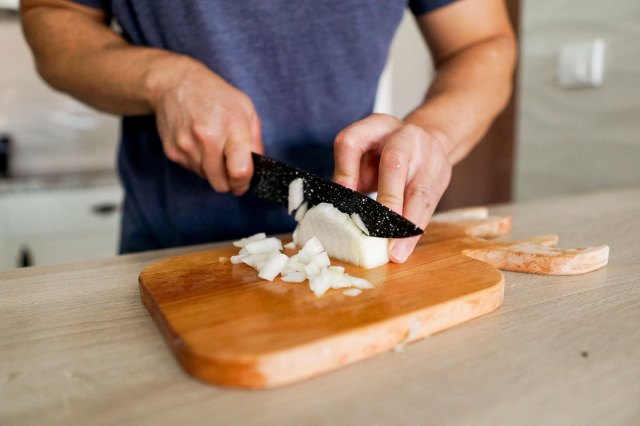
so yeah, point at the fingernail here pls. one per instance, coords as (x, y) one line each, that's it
(400, 251)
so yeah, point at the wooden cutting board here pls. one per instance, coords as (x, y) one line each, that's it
(226, 326)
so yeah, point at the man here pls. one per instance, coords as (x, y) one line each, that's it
(202, 83)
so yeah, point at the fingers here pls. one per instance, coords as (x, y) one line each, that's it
(210, 127)
(395, 159)
(414, 173)
(420, 200)
(356, 140)
(238, 161)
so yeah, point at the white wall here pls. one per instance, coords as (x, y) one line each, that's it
(52, 133)
(408, 72)
(584, 139)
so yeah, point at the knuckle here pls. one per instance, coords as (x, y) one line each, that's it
(246, 104)
(346, 140)
(388, 119)
(419, 191)
(172, 154)
(413, 131)
(184, 142)
(203, 131)
(393, 158)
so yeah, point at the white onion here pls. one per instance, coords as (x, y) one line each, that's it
(296, 194)
(360, 283)
(294, 277)
(254, 260)
(294, 265)
(244, 241)
(359, 223)
(320, 283)
(291, 245)
(339, 279)
(322, 260)
(312, 269)
(311, 262)
(341, 237)
(273, 266)
(263, 246)
(302, 210)
(312, 247)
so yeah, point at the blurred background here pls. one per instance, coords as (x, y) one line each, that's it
(573, 126)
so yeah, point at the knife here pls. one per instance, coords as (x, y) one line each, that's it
(271, 179)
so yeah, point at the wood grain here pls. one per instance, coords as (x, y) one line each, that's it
(78, 347)
(227, 326)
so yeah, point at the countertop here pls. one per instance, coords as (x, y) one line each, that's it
(61, 181)
(78, 347)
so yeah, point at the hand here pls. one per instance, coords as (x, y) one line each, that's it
(207, 125)
(406, 164)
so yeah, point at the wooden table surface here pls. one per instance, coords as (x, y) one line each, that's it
(78, 347)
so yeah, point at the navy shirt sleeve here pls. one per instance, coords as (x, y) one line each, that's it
(419, 7)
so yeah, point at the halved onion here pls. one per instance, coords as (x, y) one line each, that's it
(341, 237)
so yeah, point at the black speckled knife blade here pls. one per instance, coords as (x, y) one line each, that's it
(271, 181)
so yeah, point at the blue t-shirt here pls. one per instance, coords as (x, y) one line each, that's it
(311, 68)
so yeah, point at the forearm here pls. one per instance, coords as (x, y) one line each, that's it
(77, 53)
(469, 91)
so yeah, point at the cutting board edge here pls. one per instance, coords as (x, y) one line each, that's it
(272, 370)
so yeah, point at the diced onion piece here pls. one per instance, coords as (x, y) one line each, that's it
(352, 292)
(263, 246)
(302, 210)
(254, 260)
(320, 283)
(291, 245)
(312, 269)
(322, 260)
(311, 249)
(294, 266)
(273, 266)
(296, 194)
(339, 279)
(355, 217)
(338, 269)
(294, 277)
(244, 241)
(360, 282)
(237, 259)
(340, 237)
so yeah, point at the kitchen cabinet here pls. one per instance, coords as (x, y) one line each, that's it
(45, 226)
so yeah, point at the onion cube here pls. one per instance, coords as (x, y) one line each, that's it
(244, 241)
(294, 277)
(263, 246)
(273, 266)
